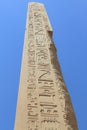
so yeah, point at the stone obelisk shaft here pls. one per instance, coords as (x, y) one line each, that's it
(43, 100)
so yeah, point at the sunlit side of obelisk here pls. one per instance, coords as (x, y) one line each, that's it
(43, 100)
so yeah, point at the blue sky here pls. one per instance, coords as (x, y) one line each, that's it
(69, 22)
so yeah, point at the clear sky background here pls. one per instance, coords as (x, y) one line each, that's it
(69, 22)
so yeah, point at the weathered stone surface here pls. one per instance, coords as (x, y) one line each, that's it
(43, 100)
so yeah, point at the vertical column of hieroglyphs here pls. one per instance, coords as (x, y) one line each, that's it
(54, 115)
(32, 95)
(48, 108)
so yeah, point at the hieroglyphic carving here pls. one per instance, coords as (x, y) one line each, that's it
(46, 90)
(32, 104)
(46, 94)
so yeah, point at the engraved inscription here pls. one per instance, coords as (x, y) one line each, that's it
(46, 104)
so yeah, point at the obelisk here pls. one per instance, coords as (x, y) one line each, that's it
(43, 100)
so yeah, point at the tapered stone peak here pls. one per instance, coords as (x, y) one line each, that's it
(43, 100)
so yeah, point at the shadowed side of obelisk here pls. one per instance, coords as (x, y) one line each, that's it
(43, 100)
(63, 95)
